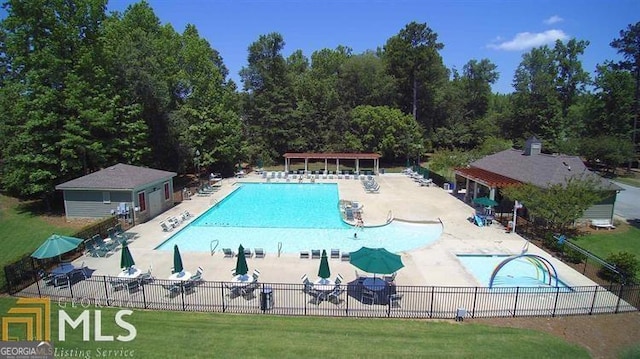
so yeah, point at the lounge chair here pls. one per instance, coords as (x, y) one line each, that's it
(255, 275)
(315, 254)
(228, 253)
(133, 286)
(165, 227)
(345, 257)
(147, 277)
(174, 289)
(248, 253)
(197, 277)
(348, 212)
(335, 254)
(259, 252)
(304, 254)
(478, 220)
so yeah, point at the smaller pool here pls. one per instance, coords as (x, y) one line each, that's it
(520, 272)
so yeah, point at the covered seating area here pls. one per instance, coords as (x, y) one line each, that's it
(332, 156)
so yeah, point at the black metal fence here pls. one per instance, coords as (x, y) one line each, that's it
(351, 301)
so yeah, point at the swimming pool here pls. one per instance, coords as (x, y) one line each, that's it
(293, 217)
(520, 272)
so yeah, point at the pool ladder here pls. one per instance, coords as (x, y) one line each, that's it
(279, 248)
(213, 245)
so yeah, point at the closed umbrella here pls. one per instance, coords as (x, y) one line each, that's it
(56, 245)
(177, 260)
(241, 264)
(324, 272)
(126, 260)
(376, 260)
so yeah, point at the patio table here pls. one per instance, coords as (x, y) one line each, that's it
(242, 280)
(184, 275)
(324, 285)
(131, 273)
(63, 269)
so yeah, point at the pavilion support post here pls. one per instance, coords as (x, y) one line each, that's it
(377, 163)
(466, 192)
(492, 193)
(306, 165)
(337, 165)
(357, 166)
(286, 165)
(325, 166)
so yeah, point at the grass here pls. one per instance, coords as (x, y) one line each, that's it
(208, 335)
(603, 242)
(22, 229)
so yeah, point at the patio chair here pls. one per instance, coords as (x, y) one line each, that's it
(165, 227)
(335, 253)
(394, 300)
(133, 286)
(117, 284)
(339, 279)
(228, 253)
(93, 251)
(368, 296)
(173, 289)
(147, 277)
(390, 278)
(189, 286)
(47, 278)
(259, 252)
(315, 254)
(334, 296)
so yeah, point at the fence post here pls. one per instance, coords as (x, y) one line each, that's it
(593, 302)
(515, 304)
(224, 302)
(106, 290)
(431, 307)
(475, 297)
(619, 297)
(555, 302)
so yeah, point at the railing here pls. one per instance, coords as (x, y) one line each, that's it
(395, 301)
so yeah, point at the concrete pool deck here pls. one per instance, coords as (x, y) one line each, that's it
(433, 265)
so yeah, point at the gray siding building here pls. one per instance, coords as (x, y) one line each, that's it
(487, 175)
(136, 193)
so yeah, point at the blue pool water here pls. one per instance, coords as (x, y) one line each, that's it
(519, 272)
(293, 217)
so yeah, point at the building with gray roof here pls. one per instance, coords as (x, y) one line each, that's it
(485, 176)
(135, 193)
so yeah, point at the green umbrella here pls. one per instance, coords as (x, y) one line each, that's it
(376, 260)
(485, 201)
(241, 264)
(177, 260)
(55, 246)
(126, 260)
(324, 271)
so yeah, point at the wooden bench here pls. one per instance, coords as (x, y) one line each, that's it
(602, 223)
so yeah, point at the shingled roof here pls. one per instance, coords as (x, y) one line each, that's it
(542, 170)
(120, 176)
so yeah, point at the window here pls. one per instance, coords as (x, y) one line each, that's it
(106, 197)
(141, 202)
(167, 194)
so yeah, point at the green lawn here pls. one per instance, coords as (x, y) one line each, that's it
(208, 335)
(603, 242)
(22, 231)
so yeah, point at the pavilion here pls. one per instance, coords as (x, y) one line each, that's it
(332, 156)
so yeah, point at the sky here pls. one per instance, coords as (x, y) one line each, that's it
(501, 31)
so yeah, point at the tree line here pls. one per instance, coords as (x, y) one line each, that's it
(82, 89)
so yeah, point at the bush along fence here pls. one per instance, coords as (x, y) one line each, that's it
(348, 300)
(19, 274)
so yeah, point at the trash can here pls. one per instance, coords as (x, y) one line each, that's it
(266, 298)
(382, 171)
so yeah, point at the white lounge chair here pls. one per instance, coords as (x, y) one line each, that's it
(259, 252)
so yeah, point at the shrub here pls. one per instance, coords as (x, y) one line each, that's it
(625, 262)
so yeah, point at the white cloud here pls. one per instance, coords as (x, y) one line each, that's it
(527, 40)
(553, 20)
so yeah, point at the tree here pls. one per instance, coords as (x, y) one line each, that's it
(51, 91)
(386, 131)
(412, 58)
(611, 106)
(607, 150)
(628, 45)
(560, 205)
(269, 107)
